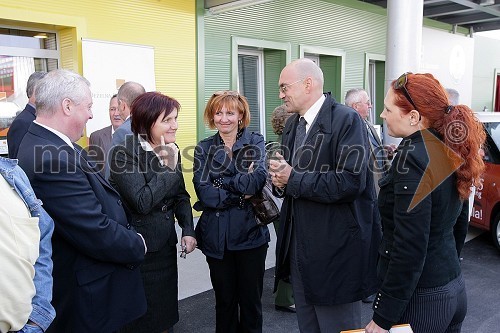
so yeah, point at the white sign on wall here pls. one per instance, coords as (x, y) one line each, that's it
(449, 57)
(107, 65)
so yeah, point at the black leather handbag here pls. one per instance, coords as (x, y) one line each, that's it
(266, 205)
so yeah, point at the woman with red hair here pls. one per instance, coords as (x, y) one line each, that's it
(421, 202)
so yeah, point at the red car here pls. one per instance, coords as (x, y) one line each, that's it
(486, 209)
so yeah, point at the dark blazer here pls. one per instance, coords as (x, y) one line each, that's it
(330, 206)
(153, 192)
(378, 155)
(118, 139)
(121, 132)
(99, 146)
(97, 287)
(18, 129)
(227, 221)
(419, 248)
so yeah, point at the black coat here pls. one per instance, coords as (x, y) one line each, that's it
(19, 128)
(153, 193)
(419, 248)
(224, 223)
(330, 197)
(97, 285)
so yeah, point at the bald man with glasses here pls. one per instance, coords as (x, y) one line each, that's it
(329, 235)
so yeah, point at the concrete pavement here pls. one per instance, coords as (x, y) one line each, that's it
(481, 269)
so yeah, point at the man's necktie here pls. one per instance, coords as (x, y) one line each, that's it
(300, 135)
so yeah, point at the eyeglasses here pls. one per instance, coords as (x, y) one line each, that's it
(400, 84)
(284, 87)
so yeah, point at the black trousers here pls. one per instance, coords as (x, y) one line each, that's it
(238, 281)
(437, 310)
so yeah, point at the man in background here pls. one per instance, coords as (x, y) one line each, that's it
(100, 140)
(23, 120)
(453, 96)
(359, 100)
(127, 93)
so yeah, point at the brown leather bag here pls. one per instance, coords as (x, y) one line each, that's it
(266, 206)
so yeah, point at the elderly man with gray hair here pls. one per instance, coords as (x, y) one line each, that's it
(97, 286)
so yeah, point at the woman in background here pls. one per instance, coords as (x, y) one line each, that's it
(146, 171)
(420, 201)
(229, 168)
(283, 299)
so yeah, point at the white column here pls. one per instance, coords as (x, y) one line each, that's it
(404, 42)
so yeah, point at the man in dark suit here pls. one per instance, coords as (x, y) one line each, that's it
(329, 235)
(127, 93)
(97, 286)
(100, 140)
(358, 100)
(22, 122)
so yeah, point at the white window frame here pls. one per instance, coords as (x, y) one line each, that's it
(260, 85)
(32, 53)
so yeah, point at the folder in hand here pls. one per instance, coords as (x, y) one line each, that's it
(405, 328)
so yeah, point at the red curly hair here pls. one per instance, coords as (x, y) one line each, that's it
(431, 101)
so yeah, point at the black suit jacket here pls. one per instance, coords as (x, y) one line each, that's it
(99, 145)
(330, 206)
(97, 287)
(19, 128)
(378, 156)
(153, 192)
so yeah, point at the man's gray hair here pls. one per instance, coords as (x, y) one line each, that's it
(353, 96)
(55, 87)
(32, 81)
(453, 96)
(129, 91)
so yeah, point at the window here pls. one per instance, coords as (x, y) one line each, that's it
(250, 84)
(22, 52)
(374, 84)
(332, 63)
(268, 58)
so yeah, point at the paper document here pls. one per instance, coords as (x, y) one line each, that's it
(395, 329)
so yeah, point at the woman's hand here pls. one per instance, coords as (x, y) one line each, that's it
(168, 153)
(250, 170)
(188, 243)
(374, 328)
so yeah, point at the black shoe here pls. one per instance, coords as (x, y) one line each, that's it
(369, 299)
(290, 308)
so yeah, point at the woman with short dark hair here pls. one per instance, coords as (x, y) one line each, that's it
(146, 171)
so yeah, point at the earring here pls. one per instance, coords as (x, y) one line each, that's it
(240, 122)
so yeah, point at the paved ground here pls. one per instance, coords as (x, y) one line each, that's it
(481, 269)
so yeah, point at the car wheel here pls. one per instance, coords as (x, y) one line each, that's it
(495, 231)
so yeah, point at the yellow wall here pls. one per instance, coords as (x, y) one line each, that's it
(167, 25)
